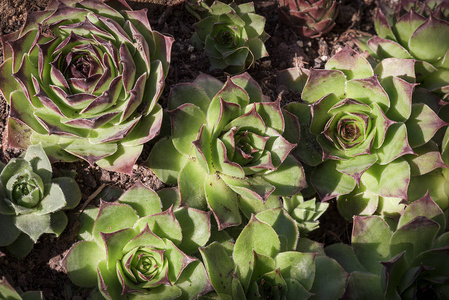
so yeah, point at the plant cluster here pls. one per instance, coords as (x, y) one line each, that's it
(247, 178)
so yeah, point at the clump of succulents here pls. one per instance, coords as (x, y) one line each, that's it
(404, 260)
(229, 149)
(84, 78)
(417, 30)
(362, 134)
(7, 292)
(131, 249)
(309, 18)
(305, 212)
(263, 263)
(31, 201)
(232, 36)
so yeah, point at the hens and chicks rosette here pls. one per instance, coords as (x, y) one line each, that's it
(83, 77)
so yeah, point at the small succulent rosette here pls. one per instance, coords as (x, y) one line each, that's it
(305, 212)
(131, 249)
(7, 292)
(417, 30)
(363, 133)
(83, 78)
(229, 150)
(264, 263)
(404, 260)
(232, 36)
(309, 18)
(32, 202)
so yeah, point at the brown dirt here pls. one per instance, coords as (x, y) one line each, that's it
(41, 269)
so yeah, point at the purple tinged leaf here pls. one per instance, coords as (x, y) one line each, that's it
(135, 99)
(147, 129)
(44, 99)
(19, 105)
(354, 65)
(222, 162)
(202, 149)
(86, 28)
(23, 44)
(129, 68)
(251, 86)
(323, 82)
(91, 123)
(107, 98)
(429, 42)
(141, 46)
(396, 67)
(63, 12)
(382, 27)
(428, 158)
(111, 133)
(384, 48)
(105, 79)
(103, 9)
(406, 25)
(75, 101)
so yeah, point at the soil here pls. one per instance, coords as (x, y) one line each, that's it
(42, 269)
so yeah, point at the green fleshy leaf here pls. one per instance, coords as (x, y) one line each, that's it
(330, 183)
(223, 202)
(391, 180)
(81, 263)
(87, 219)
(294, 79)
(70, 189)
(169, 197)
(363, 285)
(209, 84)
(220, 268)
(143, 199)
(203, 149)
(345, 256)
(193, 281)
(22, 246)
(400, 93)
(323, 82)
(8, 230)
(250, 206)
(123, 160)
(414, 237)
(165, 161)
(33, 225)
(406, 26)
(356, 166)
(384, 48)
(251, 187)
(195, 228)
(191, 185)
(177, 259)
(58, 222)
(288, 178)
(183, 134)
(284, 225)
(108, 282)
(256, 237)
(353, 65)
(396, 67)
(222, 163)
(7, 291)
(330, 279)
(359, 202)
(53, 201)
(298, 266)
(251, 86)
(112, 217)
(395, 144)
(429, 42)
(163, 224)
(192, 93)
(368, 91)
(422, 124)
(320, 112)
(262, 264)
(434, 183)
(39, 161)
(371, 242)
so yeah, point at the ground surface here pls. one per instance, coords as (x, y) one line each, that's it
(41, 269)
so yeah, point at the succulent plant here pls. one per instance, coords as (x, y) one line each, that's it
(7, 292)
(228, 149)
(84, 78)
(264, 264)
(309, 18)
(404, 260)
(361, 131)
(304, 212)
(418, 30)
(131, 249)
(31, 201)
(232, 36)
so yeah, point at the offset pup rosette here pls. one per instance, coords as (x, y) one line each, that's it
(229, 149)
(83, 77)
(416, 30)
(364, 133)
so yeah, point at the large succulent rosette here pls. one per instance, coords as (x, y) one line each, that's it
(32, 202)
(228, 149)
(131, 249)
(406, 259)
(83, 78)
(417, 30)
(363, 132)
(268, 261)
(309, 18)
(232, 36)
